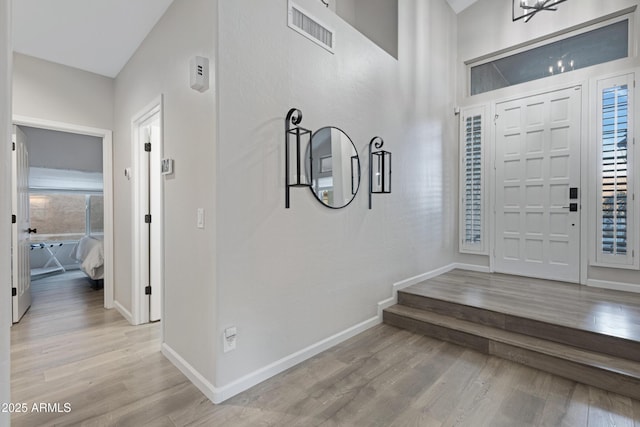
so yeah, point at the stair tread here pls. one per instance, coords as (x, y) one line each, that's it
(578, 307)
(585, 357)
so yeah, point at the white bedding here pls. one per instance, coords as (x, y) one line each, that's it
(90, 253)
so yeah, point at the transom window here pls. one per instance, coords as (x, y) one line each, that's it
(600, 45)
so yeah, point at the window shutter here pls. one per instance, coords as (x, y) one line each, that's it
(615, 219)
(472, 182)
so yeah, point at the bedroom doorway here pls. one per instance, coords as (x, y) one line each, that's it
(148, 219)
(69, 182)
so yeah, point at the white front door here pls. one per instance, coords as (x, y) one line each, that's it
(537, 220)
(21, 246)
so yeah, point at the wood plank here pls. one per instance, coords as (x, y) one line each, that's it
(594, 319)
(384, 376)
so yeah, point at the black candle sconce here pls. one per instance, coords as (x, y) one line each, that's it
(379, 169)
(320, 161)
(297, 139)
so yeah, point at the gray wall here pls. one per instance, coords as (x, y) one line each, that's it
(49, 91)
(376, 19)
(161, 66)
(62, 150)
(290, 278)
(271, 272)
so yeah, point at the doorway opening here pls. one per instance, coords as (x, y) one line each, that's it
(83, 199)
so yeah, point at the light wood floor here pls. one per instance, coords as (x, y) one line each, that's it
(602, 311)
(68, 349)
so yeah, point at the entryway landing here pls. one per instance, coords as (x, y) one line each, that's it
(586, 334)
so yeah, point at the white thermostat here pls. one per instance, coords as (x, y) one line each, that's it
(199, 69)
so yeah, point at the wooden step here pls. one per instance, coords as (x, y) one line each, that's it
(608, 372)
(571, 315)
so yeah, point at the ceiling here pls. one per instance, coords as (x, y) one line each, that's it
(93, 35)
(460, 5)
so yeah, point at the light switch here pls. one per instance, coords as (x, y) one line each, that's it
(200, 220)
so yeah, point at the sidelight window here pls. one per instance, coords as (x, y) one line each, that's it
(472, 215)
(615, 196)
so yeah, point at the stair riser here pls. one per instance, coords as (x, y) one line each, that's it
(464, 339)
(582, 339)
(600, 378)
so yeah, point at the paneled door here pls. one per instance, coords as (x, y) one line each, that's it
(537, 211)
(21, 244)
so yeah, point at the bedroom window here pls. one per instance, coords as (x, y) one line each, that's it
(616, 221)
(472, 215)
(65, 216)
(95, 214)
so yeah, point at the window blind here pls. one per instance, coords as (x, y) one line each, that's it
(472, 190)
(614, 166)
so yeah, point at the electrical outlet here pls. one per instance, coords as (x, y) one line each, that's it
(229, 339)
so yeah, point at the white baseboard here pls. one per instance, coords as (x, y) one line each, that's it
(472, 267)
(414, 280)
(616, 286)
(256, 377)
(426, 276)
(422, 277)
(124, 312)
(386, 304)
(208, 389)
(220, 394)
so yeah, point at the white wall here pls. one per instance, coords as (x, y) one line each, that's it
(161, 66)
(376, 19)
(49, 91)
(492, 19)
(288, 279)
(5, 206)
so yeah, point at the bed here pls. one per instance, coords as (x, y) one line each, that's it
(89, 252)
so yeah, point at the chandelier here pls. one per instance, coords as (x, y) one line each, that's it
(526, 9)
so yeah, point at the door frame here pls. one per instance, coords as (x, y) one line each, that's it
(19, 251)
(584, 179)
(107, 176)
(5, 206)
(140, 301)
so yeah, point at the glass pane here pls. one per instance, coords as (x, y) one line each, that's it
(96, 209)
(584, 50)
(58, 216)
(614, 170)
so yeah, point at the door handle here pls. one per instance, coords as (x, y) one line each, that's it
(32, 230)
(573, 207)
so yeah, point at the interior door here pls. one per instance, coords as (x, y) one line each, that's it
(21, 246)
(151, 234)
(537, 179)
(155, 232)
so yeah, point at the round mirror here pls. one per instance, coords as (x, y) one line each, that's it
(334, 167)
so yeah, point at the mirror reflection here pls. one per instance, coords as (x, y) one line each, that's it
(334, 167)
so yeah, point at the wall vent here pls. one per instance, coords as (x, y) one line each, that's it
(302, 22)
